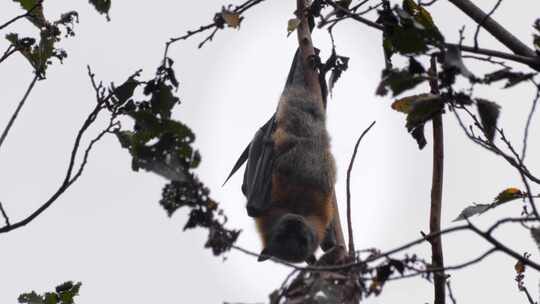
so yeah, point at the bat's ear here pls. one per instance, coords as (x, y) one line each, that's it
(264, 255)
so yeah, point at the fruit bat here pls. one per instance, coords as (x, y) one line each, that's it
(290, 175)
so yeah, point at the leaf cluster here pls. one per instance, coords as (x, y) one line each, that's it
(63, 294)
(39, 53)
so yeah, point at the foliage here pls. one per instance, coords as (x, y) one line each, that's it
(103, 7)
(505, 196)
(63, 294)
(162, 145)
(39, 54)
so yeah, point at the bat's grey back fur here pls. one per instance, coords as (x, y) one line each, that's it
(307, 156)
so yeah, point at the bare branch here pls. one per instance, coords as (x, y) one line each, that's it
(531, 60)
(27, 14)
(494, 28)
(9, 51)
(529, 297)
(487, 59)
(72, 174)
(481, 23)
(529, 119)
(437, 258)
(491, 146)
(4, 214)
(349, 218)
(214, 25)
(450, 293)
(19, 107)
(427, 3)
(503, 248)
(354, 16)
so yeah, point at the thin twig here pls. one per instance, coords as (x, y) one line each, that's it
(503, 248)
(529, 59)
(72, 174)
(418, 272)
(491, 146)
(27, 14)
(19, 107)
(427, 3)
(4, 214)
(240, 9)
(481, 23)
(450, 293)
(9, 51)
(528, 124)
(529, 297)
(349, 170)
(487, 59)
(437, 258)
(494, 28)
(353, 15)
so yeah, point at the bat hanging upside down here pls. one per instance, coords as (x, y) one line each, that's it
(290, 175)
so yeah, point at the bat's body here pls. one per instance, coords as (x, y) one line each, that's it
(290, 175)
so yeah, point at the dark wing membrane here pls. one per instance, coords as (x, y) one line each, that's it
(241, 160)
(257, 184)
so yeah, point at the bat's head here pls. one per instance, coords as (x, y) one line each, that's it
(292, 239)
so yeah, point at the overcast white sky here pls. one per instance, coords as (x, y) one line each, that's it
(108, 230)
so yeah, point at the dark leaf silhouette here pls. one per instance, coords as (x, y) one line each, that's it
(489, 114)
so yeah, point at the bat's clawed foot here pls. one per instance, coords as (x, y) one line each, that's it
(335, 256)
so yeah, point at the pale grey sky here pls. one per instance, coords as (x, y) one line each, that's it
(108, 230)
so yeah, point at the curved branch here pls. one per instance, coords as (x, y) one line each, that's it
(349, 170)
(72, 174)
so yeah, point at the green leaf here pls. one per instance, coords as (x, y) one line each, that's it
(489, 114)
(512, 78)
(472, 210)
(399, 81)
(505, 196)
(36, 17)
(163, 100)
(408, 41)
(102, 6)
(30, 298)
(424, 109)
(51, 298)
(405, 104)
(37, 55)
(418, 134)
(125, 138)
(126, 90)
(292, 25)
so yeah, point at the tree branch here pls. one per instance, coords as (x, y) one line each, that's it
(19, 107)
(4, 214)
(529, 119)
(349, 218)
(9, 51)
(27, 14)
(71, 175)
(529, 59)
(313, 85)
(480, 24)
(494, 28)
(437, 258)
